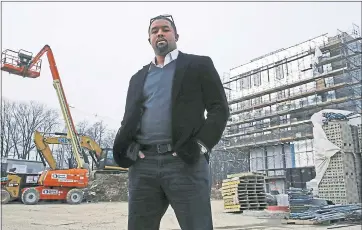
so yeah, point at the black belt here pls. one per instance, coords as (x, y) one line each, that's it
(158, 148)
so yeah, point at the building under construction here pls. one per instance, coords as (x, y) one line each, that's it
(273, 97)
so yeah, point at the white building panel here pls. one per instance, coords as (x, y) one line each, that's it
(288, 156)
(257, 159)
(275, 159)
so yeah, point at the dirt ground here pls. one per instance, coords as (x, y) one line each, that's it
(113, 216)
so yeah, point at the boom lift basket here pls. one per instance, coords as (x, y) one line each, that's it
(18, 63)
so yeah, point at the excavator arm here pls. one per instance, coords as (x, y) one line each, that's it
(24, 65)
(95, 151)
(44, 150)
(61, 138)
(85, 142)
(102, 158)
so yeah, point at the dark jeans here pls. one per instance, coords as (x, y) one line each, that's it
(157, 181)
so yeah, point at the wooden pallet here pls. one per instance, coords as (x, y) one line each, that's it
(238, 208)
(247, 174)
(245, 203)
(242, 191)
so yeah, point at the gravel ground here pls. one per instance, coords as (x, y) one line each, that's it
(111, 216)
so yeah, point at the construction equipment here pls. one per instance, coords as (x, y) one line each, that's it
(15, 182)
(13, 179)
(102, 157)
(18, 63)
(28, 186)
(54, 184)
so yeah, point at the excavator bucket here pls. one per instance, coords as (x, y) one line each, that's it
(18, 63)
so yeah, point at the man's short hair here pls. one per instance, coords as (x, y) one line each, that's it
(165, 17)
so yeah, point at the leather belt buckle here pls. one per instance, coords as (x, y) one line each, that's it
(163, 148)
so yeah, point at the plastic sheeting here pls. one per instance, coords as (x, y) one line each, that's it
(323, 148)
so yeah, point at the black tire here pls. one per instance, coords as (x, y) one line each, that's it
(75, 196)
(30, 196)
(5, 196)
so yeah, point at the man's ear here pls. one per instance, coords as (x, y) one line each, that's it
(176, 37)
(149, 40)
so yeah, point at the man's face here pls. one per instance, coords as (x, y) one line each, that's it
(162, 37)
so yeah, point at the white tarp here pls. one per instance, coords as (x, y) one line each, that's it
(323, 148)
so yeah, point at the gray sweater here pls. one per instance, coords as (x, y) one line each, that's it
(155, 126)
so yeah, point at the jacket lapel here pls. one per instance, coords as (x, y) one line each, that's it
(181, 65)
(141, 82)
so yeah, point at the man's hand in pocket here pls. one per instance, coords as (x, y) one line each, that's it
(141, 155)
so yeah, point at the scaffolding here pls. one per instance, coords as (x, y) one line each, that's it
(351, 53)
(272, 99)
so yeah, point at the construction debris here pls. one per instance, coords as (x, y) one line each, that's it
(327, 215)
(108, 188)
(114, 188)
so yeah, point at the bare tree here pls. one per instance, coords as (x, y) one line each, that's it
(82, 127)
(20, 120)
(109, 138)
(97, 131)
(29, 117)
(7, 126)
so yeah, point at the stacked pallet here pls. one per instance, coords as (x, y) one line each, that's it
(244, 192)
(300, 200)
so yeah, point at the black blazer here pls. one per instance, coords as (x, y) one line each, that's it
(196, 87)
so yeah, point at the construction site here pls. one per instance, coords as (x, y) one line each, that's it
(295, 126)
(296, 120)
(272, 99)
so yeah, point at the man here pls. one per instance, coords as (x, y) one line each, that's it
(164, 116)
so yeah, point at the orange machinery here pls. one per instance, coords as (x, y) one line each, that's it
(54, 184)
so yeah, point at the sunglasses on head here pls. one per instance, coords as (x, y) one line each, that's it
(163, 16)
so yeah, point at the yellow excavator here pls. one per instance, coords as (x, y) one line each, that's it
(102, 157)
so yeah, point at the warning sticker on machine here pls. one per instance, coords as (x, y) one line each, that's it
(32, 179)
(59, 176)
(50, 191)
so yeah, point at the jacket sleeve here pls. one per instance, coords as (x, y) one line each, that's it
(216, 105)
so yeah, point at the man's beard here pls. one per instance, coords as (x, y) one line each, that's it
(162, 49)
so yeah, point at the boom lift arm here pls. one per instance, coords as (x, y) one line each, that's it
(26, 66)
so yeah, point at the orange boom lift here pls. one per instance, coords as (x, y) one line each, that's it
(54, 184)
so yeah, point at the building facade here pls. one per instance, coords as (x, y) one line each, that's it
(273, 97)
